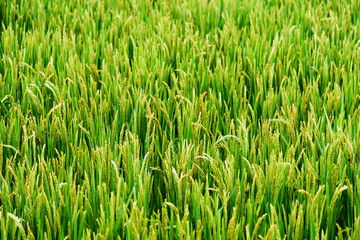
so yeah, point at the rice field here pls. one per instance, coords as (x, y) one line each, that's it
(189, 119)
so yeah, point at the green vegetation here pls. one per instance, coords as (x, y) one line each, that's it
(160, 119)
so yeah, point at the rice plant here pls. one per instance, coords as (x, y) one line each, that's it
(190, 119)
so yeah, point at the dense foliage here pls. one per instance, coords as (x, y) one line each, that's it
(158, 119)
